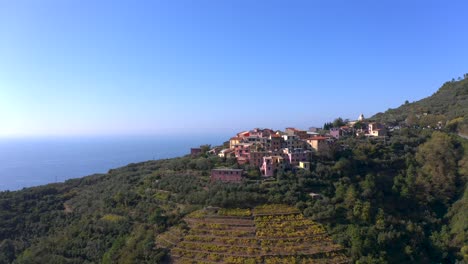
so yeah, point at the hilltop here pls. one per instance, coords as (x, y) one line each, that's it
(449, 105)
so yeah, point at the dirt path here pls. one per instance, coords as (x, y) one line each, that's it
(67, 209)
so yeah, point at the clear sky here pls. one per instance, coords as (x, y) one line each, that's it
(105, 67)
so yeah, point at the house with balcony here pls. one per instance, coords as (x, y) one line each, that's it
(242, 152)
(234, 141)
(227, 153)
(338, 132)
(256, 157)
(376, 130)
(292, 142)
(293, 157)
(271, 165)
(318, 143)
(275, 143)
(302, 134)
(261, 133)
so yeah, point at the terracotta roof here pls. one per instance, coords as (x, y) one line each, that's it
(226, 150)
(294, 129)
(318, 138)
(244, 133)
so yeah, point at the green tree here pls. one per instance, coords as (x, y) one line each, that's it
(380, 220)
(438, 174)
(338, 122)
(350, 197)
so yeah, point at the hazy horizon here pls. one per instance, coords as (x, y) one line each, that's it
(81, 68)
(37, 161)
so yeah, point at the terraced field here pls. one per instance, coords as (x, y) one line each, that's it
(266, 234)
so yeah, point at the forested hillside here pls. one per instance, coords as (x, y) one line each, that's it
(449, 105)
(402, 199)
(399, 201)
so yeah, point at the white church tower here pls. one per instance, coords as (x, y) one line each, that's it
(361, 118)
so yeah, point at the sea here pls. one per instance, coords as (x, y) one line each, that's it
(27, 162)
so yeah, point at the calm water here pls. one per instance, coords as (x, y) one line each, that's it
(31, 162)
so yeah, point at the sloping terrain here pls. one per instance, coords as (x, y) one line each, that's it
(446, 105)
(266, 234)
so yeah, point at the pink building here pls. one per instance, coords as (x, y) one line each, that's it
(336, 132)
(257, 132)
(242, 160)
(272, 165)
(242, 150)
(294, 157)
(226, 175)
(256, 157)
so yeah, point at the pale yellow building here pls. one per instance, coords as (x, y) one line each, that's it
(234, 141)
(318, 143)
(304, 165)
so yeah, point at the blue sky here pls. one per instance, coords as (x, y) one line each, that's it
(87, 67)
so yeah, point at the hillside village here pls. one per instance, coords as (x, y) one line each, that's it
(388, 189)
(292, 149)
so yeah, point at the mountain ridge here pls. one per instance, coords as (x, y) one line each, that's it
(448, 105)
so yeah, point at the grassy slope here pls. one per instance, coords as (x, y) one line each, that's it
(449, 102)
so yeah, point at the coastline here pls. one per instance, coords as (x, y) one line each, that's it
(35, 162)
